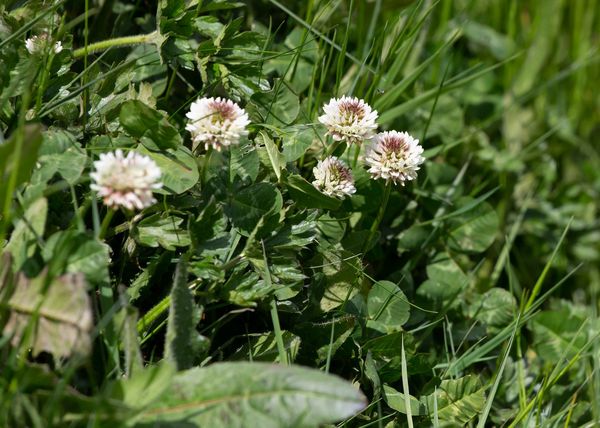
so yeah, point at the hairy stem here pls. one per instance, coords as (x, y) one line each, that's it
(139, 39)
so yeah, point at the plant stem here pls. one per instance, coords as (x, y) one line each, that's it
(278, 335)
(356, 154)
(116, 42)
(206, 164)
(106, 222)
(380, 213)
(332, 148)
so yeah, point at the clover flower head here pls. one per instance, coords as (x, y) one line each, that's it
(395, 156)
(126, 181)
(349, 119)
(37, 44)
(216, 122)
(333, 178)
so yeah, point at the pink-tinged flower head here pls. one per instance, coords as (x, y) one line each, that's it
(216, 122)
(333, 178)
(349, 119)
(126, 181)
(37, 44)
(395, 156)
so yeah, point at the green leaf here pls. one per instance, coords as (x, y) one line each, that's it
(389, 346)
(458, 400)
(22, 160)
(244, 162)
(475, 230)
(233, 394)
(72, 251)
(164, 231)
(125, 322)
(48, 315)
(279, 106)
(60, 152)
(23, 240)
(144, 122)
(263, 347)
(146, 386)
(249, 205)
(179, 169)
(387, 306)
(341, 278)
(306, 195)
(296, 142)
(496, 308)
(397, 401)
(446, 279)
(323, 339)
(557, 333)
(276, 158)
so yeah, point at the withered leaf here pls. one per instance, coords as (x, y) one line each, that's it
(54, 317)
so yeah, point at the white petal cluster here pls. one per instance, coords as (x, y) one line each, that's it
(126, 181)
(37, 44)
(333, 178)
(349, 119)
(395, 156)
(216, 122)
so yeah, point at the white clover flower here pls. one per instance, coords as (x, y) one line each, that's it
(395, 156)
(126, 181)
(333, 178)
(217, 122)
(37, 44)
(349, 119)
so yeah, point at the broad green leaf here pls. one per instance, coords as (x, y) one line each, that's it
(249, 205)
(144, 122)
(72, 251)
(557, 332)
(323, 339)
(178, 167)
(276, 158)
(48, 315)
(458, 400)
(389, 345)
(233, 394)
(146, 386)
(244, 162)
(412, 238)
(446, 279)
(341, 278)
(24, 238)
(475, 230)
(296, 141)
(496, 308)
(397, 401)
(279, 106)
(388, 307)
(61, 153)
(306, 195)
(263, 347)
(164, 231)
